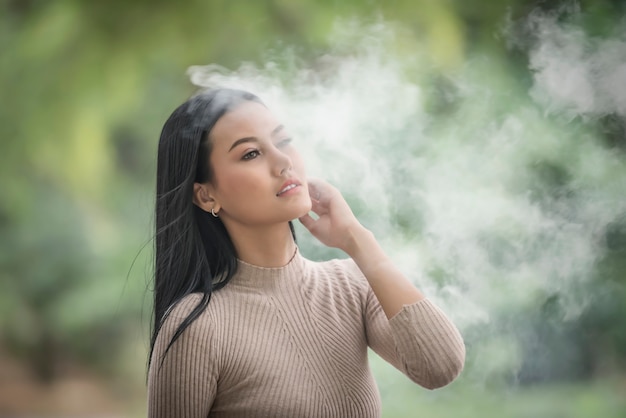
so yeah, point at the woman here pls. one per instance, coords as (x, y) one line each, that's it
(244, 325)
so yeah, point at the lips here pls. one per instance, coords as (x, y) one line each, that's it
(288, 185)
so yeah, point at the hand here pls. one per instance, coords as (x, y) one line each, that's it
(338, 227)
(336, 224)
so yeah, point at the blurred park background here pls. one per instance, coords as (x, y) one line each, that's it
(86, 87)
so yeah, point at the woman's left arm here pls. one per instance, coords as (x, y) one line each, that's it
(427, 343)
(338, 227)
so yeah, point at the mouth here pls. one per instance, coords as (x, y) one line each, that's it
(292, 184)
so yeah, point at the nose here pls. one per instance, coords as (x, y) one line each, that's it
(281, 163)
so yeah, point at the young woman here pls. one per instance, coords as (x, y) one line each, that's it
(244, 325)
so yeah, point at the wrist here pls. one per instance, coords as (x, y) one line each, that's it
(357, 240)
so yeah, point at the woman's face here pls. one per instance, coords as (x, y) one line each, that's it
(258, 176)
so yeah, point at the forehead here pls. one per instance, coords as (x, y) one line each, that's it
(248, 119)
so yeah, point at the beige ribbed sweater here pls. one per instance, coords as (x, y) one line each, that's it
(292, 342)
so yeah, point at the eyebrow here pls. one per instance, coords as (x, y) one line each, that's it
(242, 141)
(254, 138)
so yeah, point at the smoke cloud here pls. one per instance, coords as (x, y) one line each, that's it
(576, 74)
(492, 197)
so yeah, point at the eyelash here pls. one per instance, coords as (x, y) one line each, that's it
(248, 155)
(255, 153)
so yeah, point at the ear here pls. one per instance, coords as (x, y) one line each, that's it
(203, 198)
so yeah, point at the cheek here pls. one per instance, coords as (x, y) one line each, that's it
(238, 186)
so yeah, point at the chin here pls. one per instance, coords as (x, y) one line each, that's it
(303, 209)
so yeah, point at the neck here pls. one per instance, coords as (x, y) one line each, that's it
(268, 246)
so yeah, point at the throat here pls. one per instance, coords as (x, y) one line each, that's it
(265, 248)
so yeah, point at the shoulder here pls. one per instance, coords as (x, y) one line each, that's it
(344, 267)
(176, 344)
(341, 272)
(183, 309)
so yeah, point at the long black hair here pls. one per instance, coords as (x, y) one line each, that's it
(193, 251)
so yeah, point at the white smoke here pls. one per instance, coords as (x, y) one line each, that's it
(576, 74)
(458, 198)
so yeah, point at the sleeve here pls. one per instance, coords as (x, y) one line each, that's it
(420, 340)
(183, 383)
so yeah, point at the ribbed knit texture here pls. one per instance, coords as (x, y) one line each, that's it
(292, 342)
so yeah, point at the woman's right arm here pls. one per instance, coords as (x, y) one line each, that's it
(183, 383)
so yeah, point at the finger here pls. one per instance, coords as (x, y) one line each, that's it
(318, 207)
(319, 189)
(307, 220)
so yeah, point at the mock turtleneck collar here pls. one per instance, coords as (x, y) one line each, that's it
(255, 276)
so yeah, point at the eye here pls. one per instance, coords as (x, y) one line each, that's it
(251, 155)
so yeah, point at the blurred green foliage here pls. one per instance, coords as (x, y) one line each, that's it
(86, 87)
